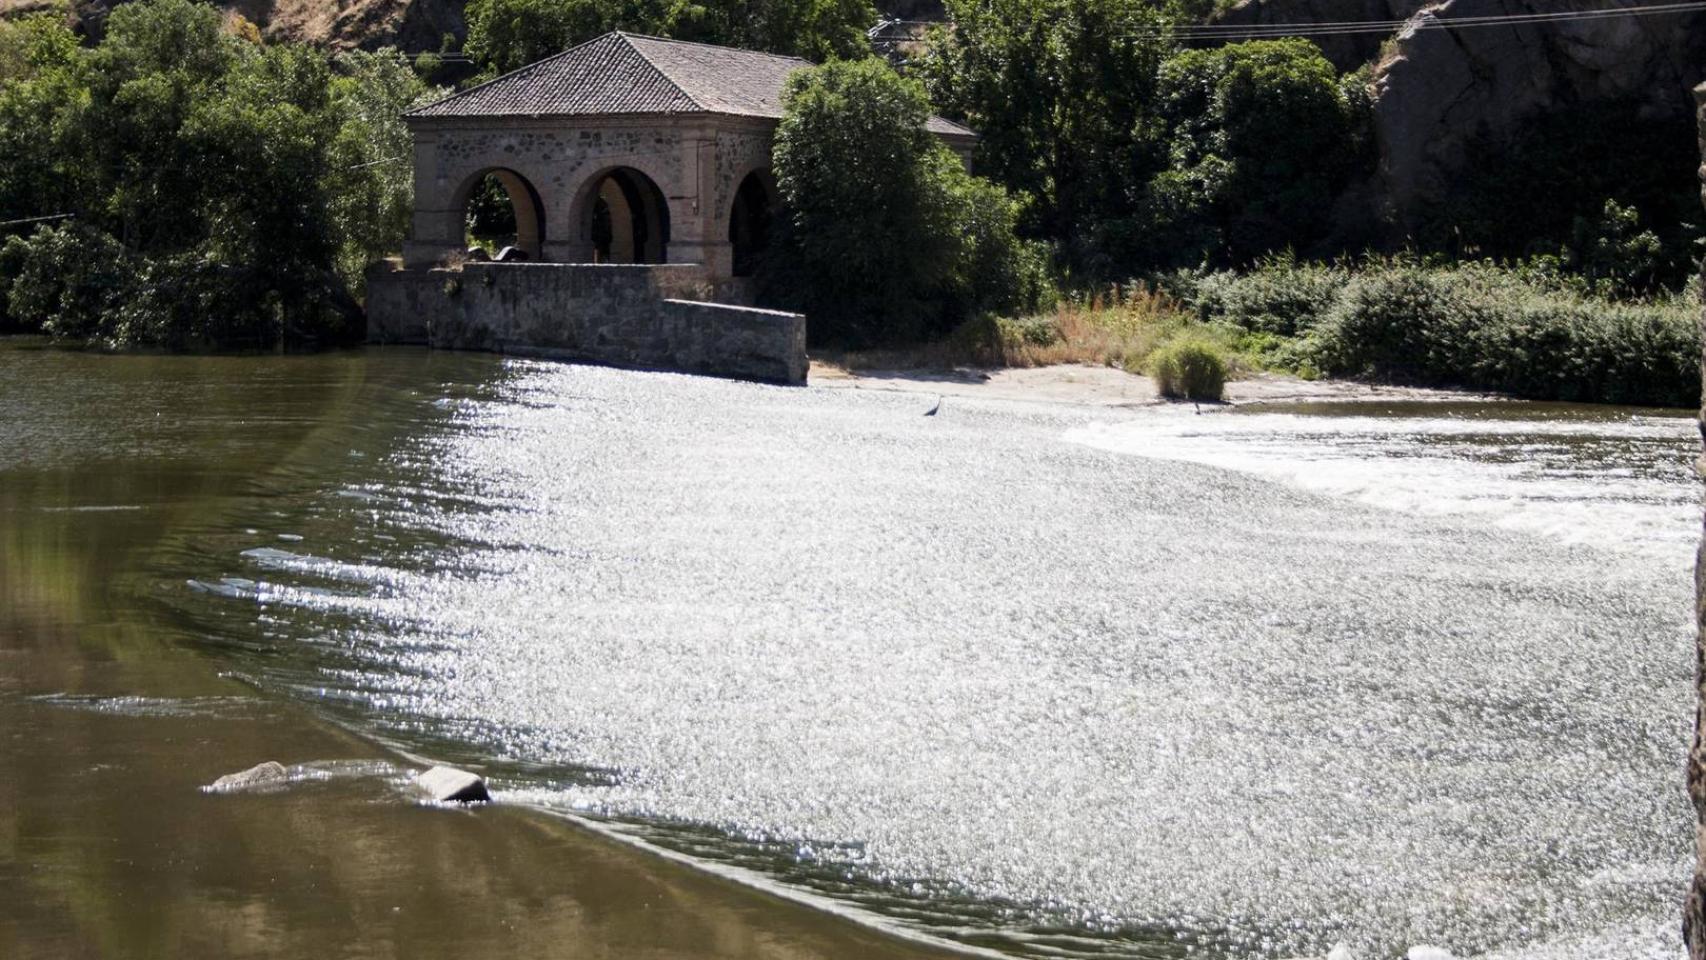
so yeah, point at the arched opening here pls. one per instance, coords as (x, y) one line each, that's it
(501, 209)
(749, 222)
(628, 219)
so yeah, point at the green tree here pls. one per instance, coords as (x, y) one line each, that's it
(1263, 137)
(1063, 94)
(886, 237)
(246, 185)
(505, 35)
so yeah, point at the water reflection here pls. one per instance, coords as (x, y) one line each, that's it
(115, 706)
(1018, 690)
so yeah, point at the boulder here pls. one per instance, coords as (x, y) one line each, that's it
(266, 774)
(450, 785)
(1423, 952)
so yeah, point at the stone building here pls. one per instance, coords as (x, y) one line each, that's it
(639, 174)
(625, 149)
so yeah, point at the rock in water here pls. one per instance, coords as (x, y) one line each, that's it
(450, 785)
(1428, 953)
(1341, 951)
(271, 772)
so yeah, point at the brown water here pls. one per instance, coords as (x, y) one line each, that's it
(113, 713)
(1053, 680)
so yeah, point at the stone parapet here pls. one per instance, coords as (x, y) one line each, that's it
(648, 316)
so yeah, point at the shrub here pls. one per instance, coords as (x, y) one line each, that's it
(1486, 327)
(1281, 296)
(1189, 369)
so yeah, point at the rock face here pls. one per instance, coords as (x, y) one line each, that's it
(1347, 51)
(1438, 91)
(1694, 912)
(413, 25)
(450, 785)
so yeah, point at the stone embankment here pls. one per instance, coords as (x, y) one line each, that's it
(651, 317)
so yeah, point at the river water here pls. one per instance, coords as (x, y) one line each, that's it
(1044, 679)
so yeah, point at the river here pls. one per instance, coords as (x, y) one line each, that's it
(1044, 679)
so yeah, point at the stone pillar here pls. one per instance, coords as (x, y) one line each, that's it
(693, 218)
(437, 229)
(1694, 912)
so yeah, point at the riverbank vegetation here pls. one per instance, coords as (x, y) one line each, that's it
(204, 190)
(1211, 197)
(1482, 326)
(1131, 195)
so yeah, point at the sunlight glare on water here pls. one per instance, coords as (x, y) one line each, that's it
(991, 673)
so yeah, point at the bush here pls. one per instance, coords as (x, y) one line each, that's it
(1190, 369)
(1281, 296)
(1485, 327)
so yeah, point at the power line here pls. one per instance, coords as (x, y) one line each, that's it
(1428, 20)
(54, 216)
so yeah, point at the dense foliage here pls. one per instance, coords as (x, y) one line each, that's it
(1262, 138)
(1608, 188)
(1476, 325)
(1063, 93)
(504, 35)
(886, 236)
(220, 192)
(1131, 152)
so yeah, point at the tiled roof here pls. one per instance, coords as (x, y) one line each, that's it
(625, 73)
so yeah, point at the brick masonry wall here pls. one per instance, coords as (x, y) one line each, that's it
(641, 316)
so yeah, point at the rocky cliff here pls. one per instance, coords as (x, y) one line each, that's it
(1347, 51)
(414, 25)
(1440, 92)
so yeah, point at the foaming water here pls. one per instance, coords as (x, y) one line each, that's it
(1618, 480)
(1026, 691)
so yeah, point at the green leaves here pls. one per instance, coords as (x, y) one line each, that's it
(505, 35)
(886, 237)
(255, 181)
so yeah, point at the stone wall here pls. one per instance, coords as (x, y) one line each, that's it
(640, 316)
(1694, 913)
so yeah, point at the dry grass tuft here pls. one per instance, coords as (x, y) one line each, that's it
(1117, 327)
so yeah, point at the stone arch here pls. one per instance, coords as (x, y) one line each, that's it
(622, 216)
(524, 199)
(750, 216)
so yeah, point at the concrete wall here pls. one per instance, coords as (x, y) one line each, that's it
(1694, 912)
(643, 316)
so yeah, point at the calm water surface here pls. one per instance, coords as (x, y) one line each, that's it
(1047, 680)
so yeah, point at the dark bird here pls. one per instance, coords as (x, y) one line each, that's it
(936, 409)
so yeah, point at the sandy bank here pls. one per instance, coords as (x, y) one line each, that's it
(1108, 386)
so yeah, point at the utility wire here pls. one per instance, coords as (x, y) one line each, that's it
(54, 216)
(1427, 20)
